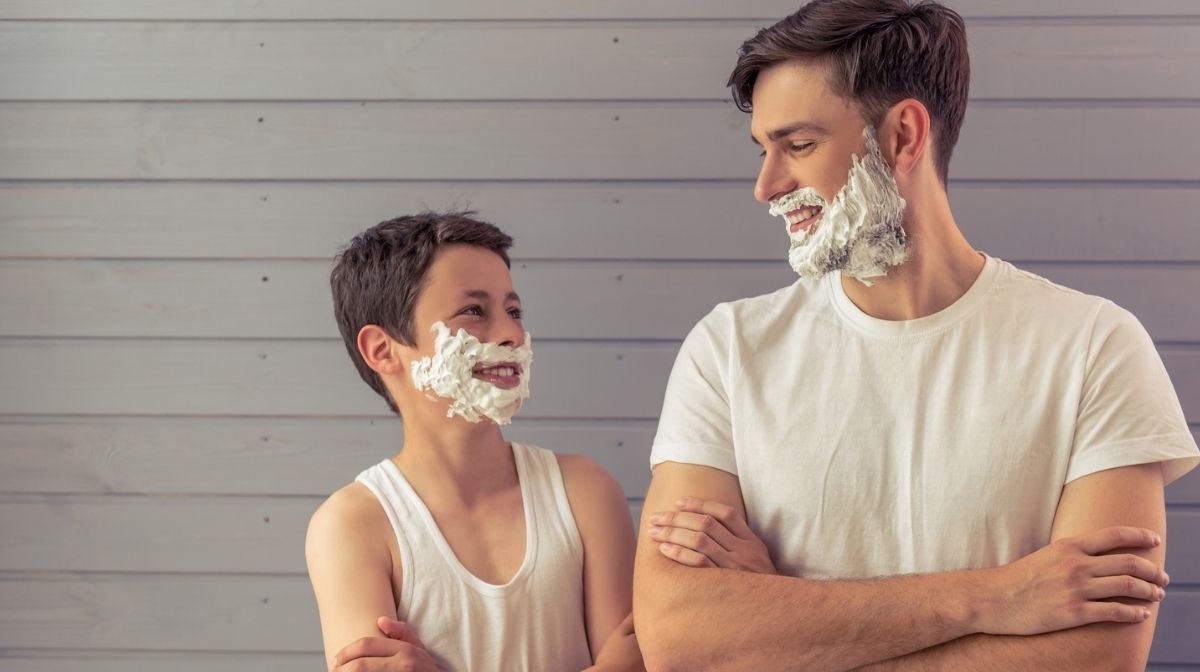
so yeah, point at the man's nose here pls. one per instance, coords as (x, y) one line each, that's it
(773, 181)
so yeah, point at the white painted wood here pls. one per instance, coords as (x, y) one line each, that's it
(123, 533)
(160, 612)
(580, 61)
(766, 10)
(596, 300)
(245, 456)
(460, 141)
(223, 613)
(296, 378)
(260, 456)
(1031, 222)
(26, 660)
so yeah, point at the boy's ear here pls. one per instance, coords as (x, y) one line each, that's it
(378, 351)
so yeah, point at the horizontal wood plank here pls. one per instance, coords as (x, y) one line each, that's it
(125, 533)
(294, 378)
(1034, 222)
(580, 141)
(594, 300)
(258, 10)
(576, 61)
(245, 456)
(26, 660)
(221, 613)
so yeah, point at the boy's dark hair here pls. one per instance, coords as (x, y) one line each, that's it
(878, 52)
(378, 275)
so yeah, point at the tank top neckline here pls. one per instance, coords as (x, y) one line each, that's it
(524, 475)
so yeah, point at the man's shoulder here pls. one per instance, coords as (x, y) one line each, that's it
(765, 311)
(1040, 299)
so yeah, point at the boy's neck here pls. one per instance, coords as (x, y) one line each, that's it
(461, 461)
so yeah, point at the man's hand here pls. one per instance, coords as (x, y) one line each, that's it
(704, 533)
(620, 652)
(398, 650)
(1071, 582)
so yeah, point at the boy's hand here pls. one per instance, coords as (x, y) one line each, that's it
(709, 534)
(399, 649)
(620, 652)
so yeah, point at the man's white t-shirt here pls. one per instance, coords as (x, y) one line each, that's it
(867, 447)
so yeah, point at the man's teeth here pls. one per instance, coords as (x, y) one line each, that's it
(797, 216)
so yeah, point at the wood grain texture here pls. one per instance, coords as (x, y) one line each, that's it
(575, 61)
(764, 10)
(298, 378)
(528, 141)
(556, 220)
(563, 299)
(261, 456)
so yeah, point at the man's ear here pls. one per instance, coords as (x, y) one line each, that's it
(379, 351)
(904, 135)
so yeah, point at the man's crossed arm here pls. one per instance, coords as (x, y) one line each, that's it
(1025, 615)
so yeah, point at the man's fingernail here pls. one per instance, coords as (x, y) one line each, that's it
(656, 517)
(656, 532)
(1157, 540)
(1166, 579)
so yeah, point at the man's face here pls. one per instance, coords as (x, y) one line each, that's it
(824, 174)
(807, 133)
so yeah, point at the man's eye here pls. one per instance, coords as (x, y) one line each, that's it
(802, 147)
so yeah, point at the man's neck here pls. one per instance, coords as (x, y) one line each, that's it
(941, 267)
(459, 461)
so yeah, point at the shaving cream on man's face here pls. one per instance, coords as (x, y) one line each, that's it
(861, 233)
(480, 379)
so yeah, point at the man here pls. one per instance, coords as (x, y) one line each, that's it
(951, 463)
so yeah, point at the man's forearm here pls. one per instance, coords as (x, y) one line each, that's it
(1102, 646)
(720, 619)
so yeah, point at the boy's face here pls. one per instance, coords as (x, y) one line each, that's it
(470, 289)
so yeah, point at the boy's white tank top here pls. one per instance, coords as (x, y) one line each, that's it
(535, 621)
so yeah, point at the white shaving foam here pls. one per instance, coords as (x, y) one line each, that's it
(861, 233)
(449, 374)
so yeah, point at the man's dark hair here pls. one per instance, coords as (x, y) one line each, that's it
(378, 276)
(877, 53)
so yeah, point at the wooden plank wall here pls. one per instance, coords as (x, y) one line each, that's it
(174, 177)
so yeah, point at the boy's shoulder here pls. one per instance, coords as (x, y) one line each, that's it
(593, 493)
(350, 519)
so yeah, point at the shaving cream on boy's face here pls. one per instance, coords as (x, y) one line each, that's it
(860, 233)
(480, 379)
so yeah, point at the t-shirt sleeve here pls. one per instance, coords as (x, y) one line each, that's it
(695, 426)
(1128, 413)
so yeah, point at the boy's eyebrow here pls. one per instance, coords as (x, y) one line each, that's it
(796, 127)
(482, 295)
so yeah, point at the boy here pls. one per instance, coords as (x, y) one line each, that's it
(496, 555)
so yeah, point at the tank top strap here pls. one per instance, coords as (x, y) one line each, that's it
(547, 495)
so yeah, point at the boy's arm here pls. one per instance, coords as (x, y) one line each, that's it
(1124, 496)
(350, 567)
(784, 622)
(602, 516)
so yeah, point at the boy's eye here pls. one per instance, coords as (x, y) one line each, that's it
(471, 310)
(516, 313)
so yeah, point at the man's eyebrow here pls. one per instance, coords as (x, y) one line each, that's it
(806, 126)
(482, 295)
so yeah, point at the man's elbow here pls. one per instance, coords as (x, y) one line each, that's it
(660, 616)
(1113, 647)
